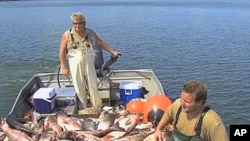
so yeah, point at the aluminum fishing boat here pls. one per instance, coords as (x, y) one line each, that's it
(108, 84)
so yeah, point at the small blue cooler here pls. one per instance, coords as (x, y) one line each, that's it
(44, 100)
(130, 89)
(65, 96)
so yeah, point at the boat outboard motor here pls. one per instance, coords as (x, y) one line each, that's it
(112, 60)
(105, 67)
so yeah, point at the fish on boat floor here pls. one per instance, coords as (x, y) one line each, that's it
(104, 126)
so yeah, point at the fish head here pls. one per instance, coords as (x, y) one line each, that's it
(104, 115)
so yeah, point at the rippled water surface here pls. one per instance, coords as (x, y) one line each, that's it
(179, 40)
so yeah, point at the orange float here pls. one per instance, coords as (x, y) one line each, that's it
(155, 106)
(135, 106)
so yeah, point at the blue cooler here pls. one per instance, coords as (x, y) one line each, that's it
(44, 100)
(129, 89)
(65, 96)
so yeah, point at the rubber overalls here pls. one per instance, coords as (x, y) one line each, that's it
(81, 57)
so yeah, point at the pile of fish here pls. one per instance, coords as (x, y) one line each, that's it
(107, 126)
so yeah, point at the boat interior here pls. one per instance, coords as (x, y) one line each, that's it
(108, 86)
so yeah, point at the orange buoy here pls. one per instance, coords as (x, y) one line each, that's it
(135, 106)
(155, 106)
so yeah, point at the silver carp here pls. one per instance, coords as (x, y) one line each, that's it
(14, 135)
(105, 120)
(128, 122)
(50, 122)
(101, 133)
(48, 135)
(68, 123)
(138, 135)
(89, 124)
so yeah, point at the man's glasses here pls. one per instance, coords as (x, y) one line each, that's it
(79, 23)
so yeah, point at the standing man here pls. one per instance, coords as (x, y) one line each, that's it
(77, 46)
(193, 120)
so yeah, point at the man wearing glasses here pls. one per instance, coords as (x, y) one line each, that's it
(77, 46)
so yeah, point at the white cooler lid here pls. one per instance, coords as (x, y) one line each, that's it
(130, 84)
(44, 93)
(66, 91)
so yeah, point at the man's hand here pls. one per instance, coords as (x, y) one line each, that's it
(65, 71)
(117, 53)
(158, 136)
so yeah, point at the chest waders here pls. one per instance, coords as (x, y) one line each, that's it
(178, 136)
(74, 46)
(81, 57)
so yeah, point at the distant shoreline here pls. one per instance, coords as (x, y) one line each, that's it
(9, 0)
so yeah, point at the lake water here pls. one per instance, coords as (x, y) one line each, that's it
(179, 40)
